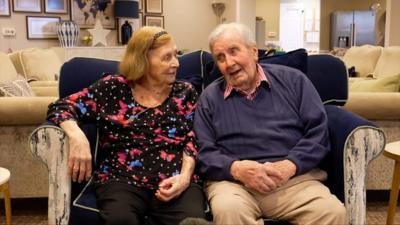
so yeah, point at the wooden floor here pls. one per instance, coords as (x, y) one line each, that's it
(34, 212)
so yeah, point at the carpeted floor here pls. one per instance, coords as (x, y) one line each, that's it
(35, 213)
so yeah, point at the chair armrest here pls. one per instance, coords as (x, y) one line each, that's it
(354, 143)
(49, 144)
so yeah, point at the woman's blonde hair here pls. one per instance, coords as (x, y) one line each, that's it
(135, 62)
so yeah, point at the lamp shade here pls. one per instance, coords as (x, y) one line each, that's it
(126, 8)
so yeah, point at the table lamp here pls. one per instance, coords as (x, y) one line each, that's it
(126, 9)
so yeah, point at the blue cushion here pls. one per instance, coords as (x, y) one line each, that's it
(80, 72)
(296, 59)
(192, 66)
(329, 76)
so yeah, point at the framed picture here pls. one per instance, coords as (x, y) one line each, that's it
(85, 13)
(55, 6)
(157, 21)
(27, 6)
(5, 8)
(154, 6)
(41, 27)
(140, 5)
(141, 19)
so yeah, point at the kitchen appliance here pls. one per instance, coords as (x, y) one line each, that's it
(352, 28)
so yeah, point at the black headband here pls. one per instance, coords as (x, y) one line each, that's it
(159, 34)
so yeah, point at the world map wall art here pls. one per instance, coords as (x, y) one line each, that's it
(86, 12)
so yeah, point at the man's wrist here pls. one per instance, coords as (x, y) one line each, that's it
(234, 169)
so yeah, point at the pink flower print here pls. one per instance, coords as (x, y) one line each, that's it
(168, 157)
(134, 152)
(121, 158)
(179, 102)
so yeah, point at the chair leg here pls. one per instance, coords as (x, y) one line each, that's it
(7, 201)
(394, 193)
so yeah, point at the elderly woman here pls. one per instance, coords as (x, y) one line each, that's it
(145, 119)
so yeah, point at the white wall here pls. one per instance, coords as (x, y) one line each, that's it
(190, 22)
(392, 32)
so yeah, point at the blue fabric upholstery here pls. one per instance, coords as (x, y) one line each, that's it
(198, 66)
(340, 124)
(295, 59)
(329, 76)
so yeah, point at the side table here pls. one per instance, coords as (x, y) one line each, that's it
(4, 187)
(392, 150)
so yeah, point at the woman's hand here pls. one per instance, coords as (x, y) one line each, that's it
(80, 158)
(172, 187)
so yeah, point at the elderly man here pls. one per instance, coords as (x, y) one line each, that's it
(262, 132)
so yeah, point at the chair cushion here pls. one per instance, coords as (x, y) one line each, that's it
(40, 64)
(383, 84)
(296, 59)
(192, 68)
(8, 71)
(389, 62)
(80, 72)
(329, 76)
(16, 87)
(363, 58)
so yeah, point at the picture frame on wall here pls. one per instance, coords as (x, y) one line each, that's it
(140, 5)
(141, 19)
(154, 6)
(42, 27)
(56, 6)
(27, 6)
(86, 15)
(153, 20)
(5, 8)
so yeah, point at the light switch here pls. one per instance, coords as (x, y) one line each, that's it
(8, 31)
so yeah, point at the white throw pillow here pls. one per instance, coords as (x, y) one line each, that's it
(363, 58)
(8, 71)
(40, 64)
(389, 62)
(16, 87)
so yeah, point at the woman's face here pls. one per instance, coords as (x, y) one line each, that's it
(163, 64)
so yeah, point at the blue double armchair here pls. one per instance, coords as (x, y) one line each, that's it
(354, 140)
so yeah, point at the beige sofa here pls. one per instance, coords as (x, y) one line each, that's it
(374, 94)
(20, 115)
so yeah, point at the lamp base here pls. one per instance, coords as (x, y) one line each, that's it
(126, 32)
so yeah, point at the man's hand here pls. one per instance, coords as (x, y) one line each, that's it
(172, 187)
(255, 175)
(80, 158)
(286, 168)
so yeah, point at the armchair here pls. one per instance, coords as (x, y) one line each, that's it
(354, 140)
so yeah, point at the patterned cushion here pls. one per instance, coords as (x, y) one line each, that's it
(17, 87)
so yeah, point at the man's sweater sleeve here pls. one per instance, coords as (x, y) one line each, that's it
(212, 164)
(314, 144)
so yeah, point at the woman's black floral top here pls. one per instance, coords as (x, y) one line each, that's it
(142, 145)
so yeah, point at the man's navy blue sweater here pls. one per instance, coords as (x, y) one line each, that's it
(286, 120)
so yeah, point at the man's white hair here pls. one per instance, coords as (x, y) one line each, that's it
(245, 33)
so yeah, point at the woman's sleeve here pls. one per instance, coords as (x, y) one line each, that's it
(191, 147)
(79, 106)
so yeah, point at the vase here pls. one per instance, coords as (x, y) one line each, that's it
(68, 33)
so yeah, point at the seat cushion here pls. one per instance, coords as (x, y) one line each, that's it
(40, 64)
(16, 87)
(388, 63)
(8, 71)
(363, 58)
(383, 84)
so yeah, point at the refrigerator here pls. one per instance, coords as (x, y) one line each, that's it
(352, 28)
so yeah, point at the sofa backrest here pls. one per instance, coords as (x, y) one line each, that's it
(363, 59)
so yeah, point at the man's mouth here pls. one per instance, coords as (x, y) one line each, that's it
(234, 73)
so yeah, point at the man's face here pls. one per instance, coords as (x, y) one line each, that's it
(236, 60)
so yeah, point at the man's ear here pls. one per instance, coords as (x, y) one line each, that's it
(255, 51)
